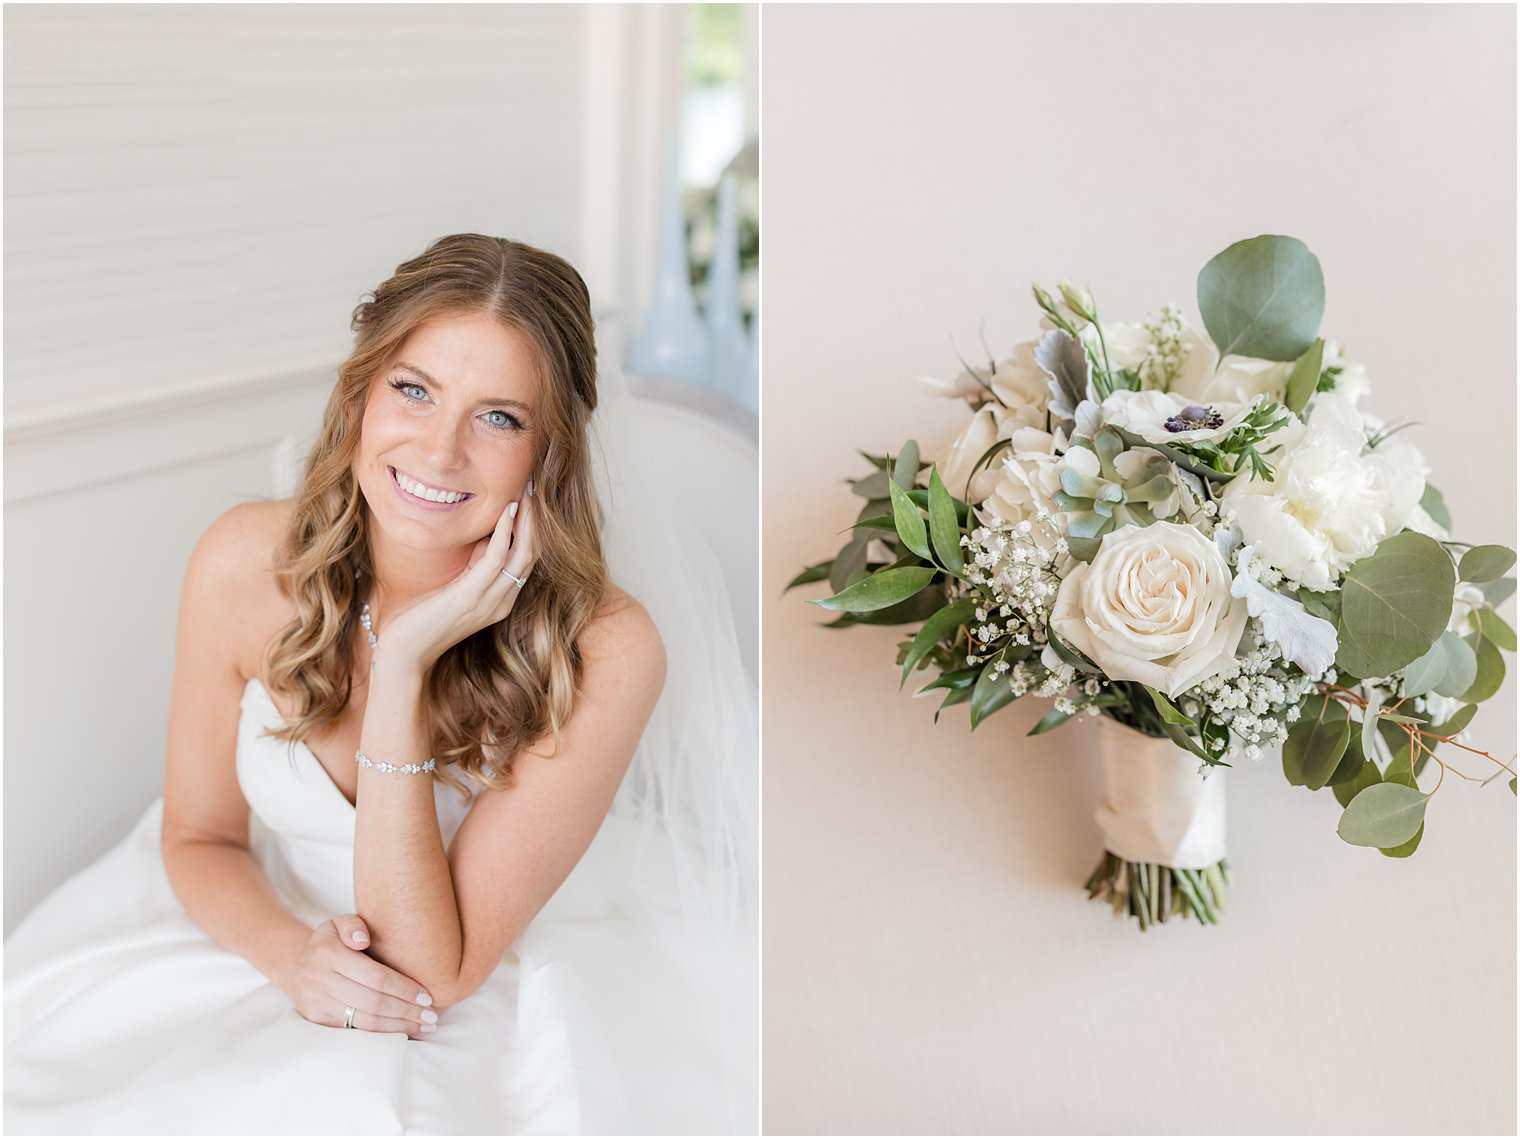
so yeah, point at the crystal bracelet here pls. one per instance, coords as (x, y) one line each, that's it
(390, 768)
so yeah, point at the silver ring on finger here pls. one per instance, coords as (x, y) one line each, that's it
(348, 1016)
(521, 581)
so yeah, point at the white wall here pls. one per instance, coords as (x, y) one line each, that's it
(196, 197)
(931, 963)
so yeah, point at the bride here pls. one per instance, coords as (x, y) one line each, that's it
(403, 704)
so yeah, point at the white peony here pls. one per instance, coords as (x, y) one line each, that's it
(1164, 417)
(1330, 501)
(1153, 606)
(1020, 394)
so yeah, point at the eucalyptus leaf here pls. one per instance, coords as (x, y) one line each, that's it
(1485, 563)
(1394, 605)
(1263, 297)
(1435, 506)
(1351, 762)
(1366, 777)
(1326, 605)
(1490, 671)
(905, 469)
(1404, 850)
(944, 526)
(909, 523)
(1496, 629)
(1305, 377)
(1497, 592)
(879, 590)
(1448, 668)
(1385, 815)
(1459, 720)
(1316, 742)
(945, 621)
(1369, 726)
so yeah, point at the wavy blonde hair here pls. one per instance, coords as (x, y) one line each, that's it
(513, 682)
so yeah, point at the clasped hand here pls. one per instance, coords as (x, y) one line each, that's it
(334, 974)
(418, 634)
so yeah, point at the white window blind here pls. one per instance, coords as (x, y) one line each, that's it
(200, 194)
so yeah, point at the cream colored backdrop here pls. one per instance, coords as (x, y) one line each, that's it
(931, 964)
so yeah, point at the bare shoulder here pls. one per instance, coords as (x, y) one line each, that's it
(621, 640)
(230, 582)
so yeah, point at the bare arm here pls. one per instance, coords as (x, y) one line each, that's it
(205, 829)
(447, 919)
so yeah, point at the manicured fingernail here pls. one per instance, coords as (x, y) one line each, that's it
(429, 1016)
(360, 935)
(424, 999)
(427, 1028)
(512, 511)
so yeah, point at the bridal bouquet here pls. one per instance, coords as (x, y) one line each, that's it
(1201, 537)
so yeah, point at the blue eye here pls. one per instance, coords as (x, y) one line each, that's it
(502, 421)
(406, 388)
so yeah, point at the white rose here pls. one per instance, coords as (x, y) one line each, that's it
(1153, 606)
(1329, 503)
(1165, 417)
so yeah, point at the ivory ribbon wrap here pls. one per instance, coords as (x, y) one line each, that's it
(1156, 807)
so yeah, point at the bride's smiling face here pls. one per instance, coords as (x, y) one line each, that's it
(450, 434)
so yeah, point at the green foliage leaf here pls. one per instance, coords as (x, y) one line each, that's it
(935, 629)
(873, 486)
(920, 607)
(944, 525)
(1305, 377)
(1485, 563)
(1325, 605)
(1367, 776)
(1351, 762)
(908, 522)
(1490, 671)
(1049, 720)
(1496, 593)
(1496, 629)
(1448, 668)
(1316, 742)
(818, 571)
(1435, 506)
(1263, 297)
(1404, 850)
(991, 693)
(1167, 710)
(851, 561)
(1459, 720)
(905, 469)
(1385, 815)
(879, 590)
(1394, 605)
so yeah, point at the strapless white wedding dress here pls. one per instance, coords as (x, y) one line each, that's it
(123, 1017)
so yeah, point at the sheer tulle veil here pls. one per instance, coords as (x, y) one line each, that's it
(689, 804)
